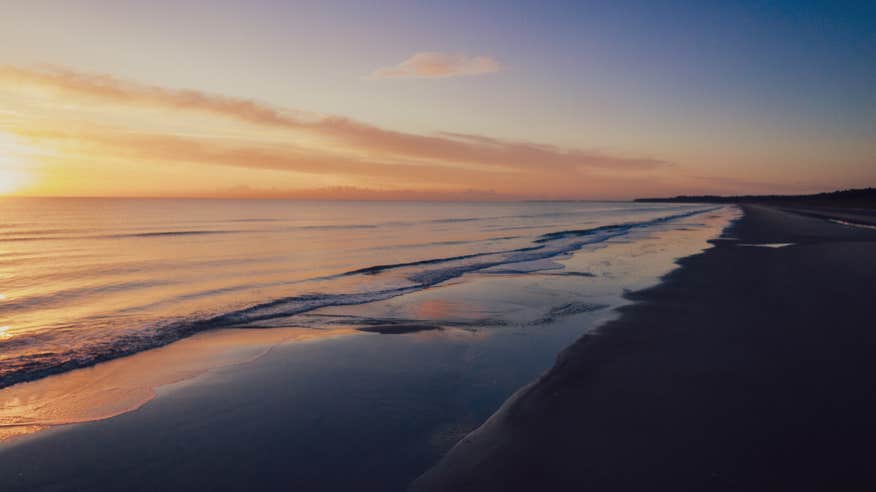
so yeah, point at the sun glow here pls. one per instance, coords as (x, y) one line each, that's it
(12, 180)
(13, 159)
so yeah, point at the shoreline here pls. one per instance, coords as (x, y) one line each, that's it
(120, 386)
(20, 366)
(746, 368)
(406, 397)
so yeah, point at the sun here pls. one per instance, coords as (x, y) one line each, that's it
(13, 170)
(11, 180)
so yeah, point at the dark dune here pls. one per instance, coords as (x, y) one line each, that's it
(749, 368)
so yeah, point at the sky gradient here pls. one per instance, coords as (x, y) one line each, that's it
(500, 100)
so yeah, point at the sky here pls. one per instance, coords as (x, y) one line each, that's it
(435, 100)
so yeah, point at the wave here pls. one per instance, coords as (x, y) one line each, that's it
(455, 220)
(340, 227)
(170, 233)
(256, 220)
(41, 237)
(375, 269)
(414, 276)
(16, 232)
(547, 246)
(569, 309)
(38, 365)
(67, 296)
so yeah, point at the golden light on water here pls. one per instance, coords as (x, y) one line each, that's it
(122, 385)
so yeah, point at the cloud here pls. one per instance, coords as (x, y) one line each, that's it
(360, 194)
(433, 64)
(422, 176)
(167, 148)
(343, 146)
(461, 149)
(113, 89)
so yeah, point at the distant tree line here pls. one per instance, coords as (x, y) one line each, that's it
(861, 197)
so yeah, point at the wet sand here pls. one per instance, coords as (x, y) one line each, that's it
(750, 368)
(123, 385)
(359, 411)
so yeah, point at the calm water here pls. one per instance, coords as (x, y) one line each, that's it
(85, 280)
(476, 301)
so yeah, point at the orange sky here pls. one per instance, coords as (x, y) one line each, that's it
(338, 101)
(74, 133)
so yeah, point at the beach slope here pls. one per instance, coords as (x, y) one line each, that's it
(748, 368)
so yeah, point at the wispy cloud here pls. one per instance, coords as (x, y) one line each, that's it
(342, 147)
(358, 193)
(90, 144)
(117, 90)
(182, 149)
(433, 64)
(456, 147)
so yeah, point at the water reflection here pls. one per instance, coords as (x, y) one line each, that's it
(382, 408)
(123, 385)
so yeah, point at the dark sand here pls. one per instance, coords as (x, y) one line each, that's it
(858, 216)
(750, 368)
(395, 329)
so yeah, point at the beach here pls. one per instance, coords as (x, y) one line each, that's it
(749, 368)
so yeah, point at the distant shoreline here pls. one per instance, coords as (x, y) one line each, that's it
(861, 197)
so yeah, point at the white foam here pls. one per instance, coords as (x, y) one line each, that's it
(852, 224)
(767, 245)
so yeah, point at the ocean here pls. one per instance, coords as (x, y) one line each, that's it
(300, 339)
(87, 280)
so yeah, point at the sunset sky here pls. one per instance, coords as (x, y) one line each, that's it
(435, 100)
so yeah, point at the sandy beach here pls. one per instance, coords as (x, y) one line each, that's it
(750, 368)
(747, 367)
